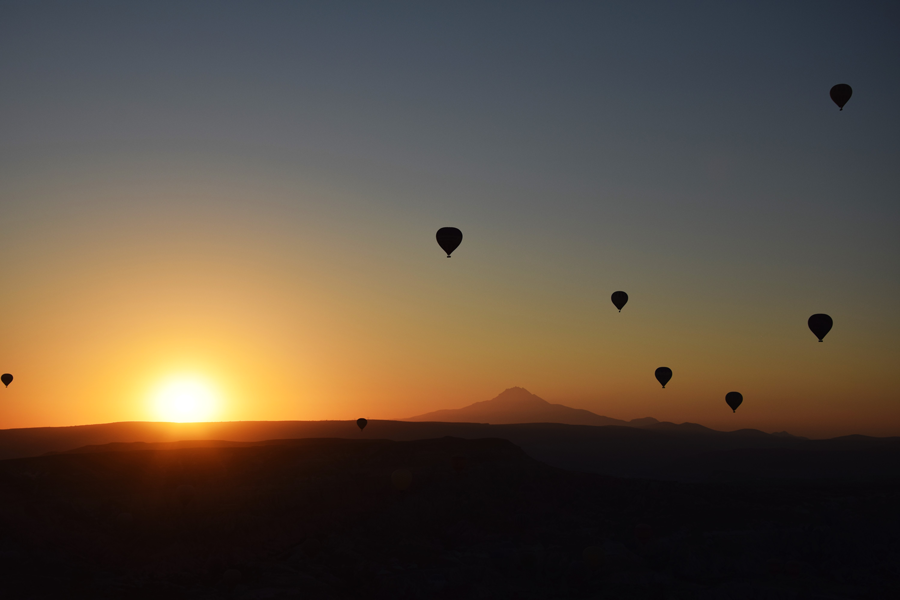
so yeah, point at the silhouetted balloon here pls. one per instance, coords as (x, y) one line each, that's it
(6, 378)
(820, 324)
(840, 94)
(361, 423)
(458, 463)
(401, 478)
(733, 399)
(449, 239)
(619, 299)
(663, 375)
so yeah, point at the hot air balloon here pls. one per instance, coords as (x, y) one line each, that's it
(458, 464)
(663, 375)
(733, 399)
(619, 299)
(840, 94)
(361, 423)
(401, 479)
(449, 239)
(6, 378)
(820, 324)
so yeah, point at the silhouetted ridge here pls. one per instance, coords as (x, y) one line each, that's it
(179, 445)
(651, 451)
(326, 518)
(644, 422)
(518, 405)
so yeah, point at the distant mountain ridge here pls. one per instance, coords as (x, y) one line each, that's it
(518, 405)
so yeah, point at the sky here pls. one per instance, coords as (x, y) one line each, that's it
(241, 198)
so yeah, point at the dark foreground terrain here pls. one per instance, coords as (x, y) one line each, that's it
(660, 451)
(324, 518)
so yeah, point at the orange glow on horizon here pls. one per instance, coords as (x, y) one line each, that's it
(311, 315)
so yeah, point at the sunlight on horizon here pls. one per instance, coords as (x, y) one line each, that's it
(185, 399)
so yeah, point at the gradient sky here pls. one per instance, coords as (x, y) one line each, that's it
(247, 193)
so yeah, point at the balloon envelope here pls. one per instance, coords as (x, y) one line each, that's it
(733, 399)
(361, 423)
(619, 299)
(458, 464)
(449, 239)
(6, 378)
(663, 375)
(820, 324)
(840, 94)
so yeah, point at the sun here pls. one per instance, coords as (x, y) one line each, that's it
(185, 400)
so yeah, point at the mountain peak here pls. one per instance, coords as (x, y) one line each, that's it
(517, 395)
(517, 405)
(515, 390)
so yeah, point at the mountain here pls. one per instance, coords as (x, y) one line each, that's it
(557, 435)
(518, 405)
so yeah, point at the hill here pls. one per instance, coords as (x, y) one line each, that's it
(321, 518)
(664, 453)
